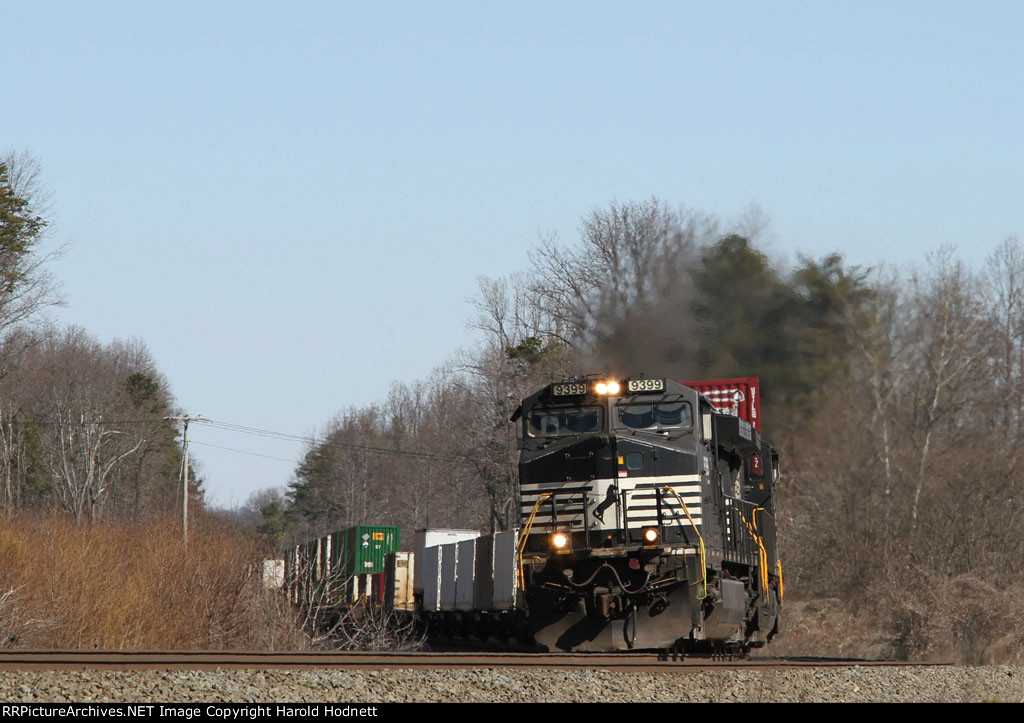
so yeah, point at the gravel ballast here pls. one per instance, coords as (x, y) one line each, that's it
(856, 684)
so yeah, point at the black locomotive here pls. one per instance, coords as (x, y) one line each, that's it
(648, 519)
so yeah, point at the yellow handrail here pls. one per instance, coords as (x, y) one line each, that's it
(778, 560)
(762, 553)
(521, 546)
(700, 538)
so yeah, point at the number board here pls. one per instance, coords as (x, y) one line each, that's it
(635, 386)
(568, 389)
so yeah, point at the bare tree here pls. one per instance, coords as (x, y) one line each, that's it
(14, 457)
(89, 428)
(431, 481)
(522, 348)
(26, 285)
(87, 409)
(623, 295)
(87, 452)
(1004, 291)
(948, 353)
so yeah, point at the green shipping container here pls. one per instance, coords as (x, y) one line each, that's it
(364, 548)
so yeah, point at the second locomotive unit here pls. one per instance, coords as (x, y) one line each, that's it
(647, 519)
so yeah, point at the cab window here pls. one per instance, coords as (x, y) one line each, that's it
(655, 417)
(563, 421)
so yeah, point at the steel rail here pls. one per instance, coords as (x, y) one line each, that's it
(210, 660)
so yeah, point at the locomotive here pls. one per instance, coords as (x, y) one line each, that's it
(647, 517)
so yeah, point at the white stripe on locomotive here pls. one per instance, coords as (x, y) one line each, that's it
(569, 501)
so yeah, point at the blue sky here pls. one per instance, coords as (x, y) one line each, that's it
(290, 204)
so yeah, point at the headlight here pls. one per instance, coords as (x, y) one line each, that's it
(559, 540)
(650, 535)
(607, 388)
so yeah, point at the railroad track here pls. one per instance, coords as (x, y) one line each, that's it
(212, 660)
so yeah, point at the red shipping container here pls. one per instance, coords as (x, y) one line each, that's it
(378, 586)
(740, 397)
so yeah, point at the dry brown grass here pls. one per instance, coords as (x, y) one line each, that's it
(116, 586)
(964, 620)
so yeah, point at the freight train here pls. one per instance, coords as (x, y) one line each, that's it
(647, 522)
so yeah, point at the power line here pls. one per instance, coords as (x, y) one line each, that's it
(268, 434)
(313, 441)
(242, 451)
(80, 422)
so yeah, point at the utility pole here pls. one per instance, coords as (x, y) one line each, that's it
(185, 419)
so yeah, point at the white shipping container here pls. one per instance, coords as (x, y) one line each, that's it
(430, 559)
(464, 572)
(449, 560)
(273, 574)
(483, 578)
(505, 570)
(432, 537)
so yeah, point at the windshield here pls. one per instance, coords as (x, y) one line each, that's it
(561, 422)
(655, 417)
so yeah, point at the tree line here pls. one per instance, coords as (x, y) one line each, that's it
(83, 425)
(903, 496)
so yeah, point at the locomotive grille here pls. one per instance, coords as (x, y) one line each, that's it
(642, 504)
(566, 508)
(637, 502)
